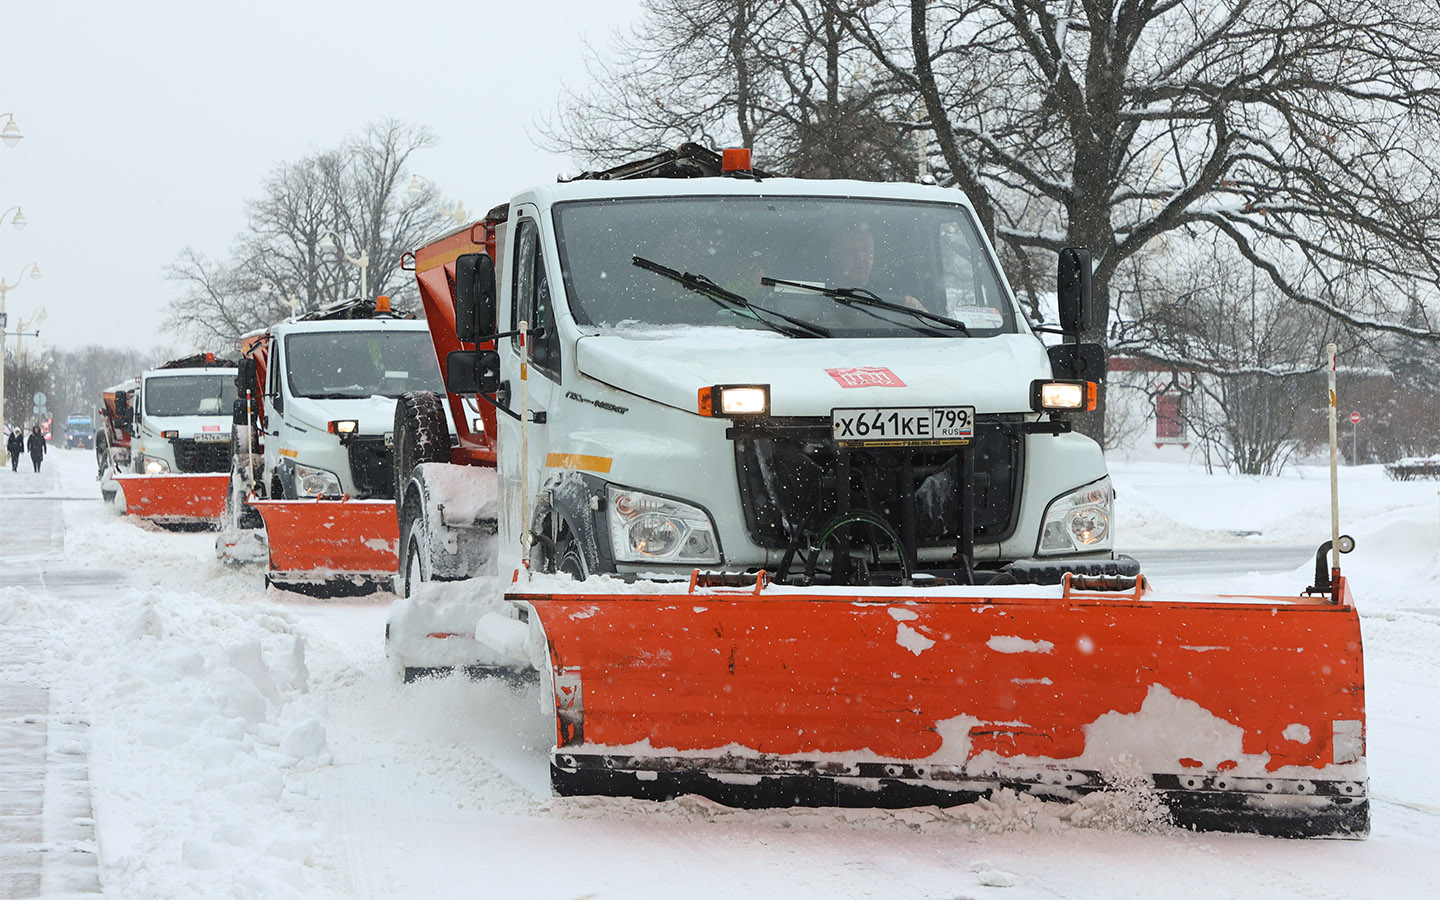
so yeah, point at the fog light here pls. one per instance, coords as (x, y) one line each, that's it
(1076, 395)
(735, 400)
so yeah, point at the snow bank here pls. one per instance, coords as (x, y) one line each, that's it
(201, 717)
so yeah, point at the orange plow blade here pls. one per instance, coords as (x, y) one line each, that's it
(1239, 713)
(175, 499)
(330, 546)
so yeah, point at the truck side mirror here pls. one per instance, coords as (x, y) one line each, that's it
(246, 378)
(472, 371)
(1085, 362)
(124, 414)
(1072, 289)
(474, 297)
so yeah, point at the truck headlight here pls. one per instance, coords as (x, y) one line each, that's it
(646, 528)
(155, 466)
(735, 400)
(313, 482)
(1079, 520)
(1059, 395)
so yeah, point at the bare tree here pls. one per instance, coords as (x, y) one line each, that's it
(1247, 361)
(278, 266)
(1299, 130)
(783, 77)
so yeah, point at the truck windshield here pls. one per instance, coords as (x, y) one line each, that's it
(923, 256)
(190, 395)
(335, 365)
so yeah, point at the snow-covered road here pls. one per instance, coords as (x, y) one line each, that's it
(245, 743)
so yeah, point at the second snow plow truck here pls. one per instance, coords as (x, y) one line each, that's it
(179, 420)
(313, 445)
(832, 536)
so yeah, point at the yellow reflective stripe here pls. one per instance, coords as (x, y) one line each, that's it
(578, 461)
(440, 259)
(290, 453)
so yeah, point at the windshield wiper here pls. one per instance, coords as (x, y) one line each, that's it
(705, 287)
(850, 296)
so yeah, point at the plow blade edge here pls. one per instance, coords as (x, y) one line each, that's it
(330, 546)
(1238, 713)
(175, 499)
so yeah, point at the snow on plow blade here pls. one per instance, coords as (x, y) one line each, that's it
(175, 499)
(1239, 713)
(328, 546)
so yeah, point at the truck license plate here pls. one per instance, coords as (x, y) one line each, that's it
(903, 425)
(213, 436)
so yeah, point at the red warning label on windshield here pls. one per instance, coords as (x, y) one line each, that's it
(865, 376)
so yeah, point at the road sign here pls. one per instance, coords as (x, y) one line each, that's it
(39, 399)
(1354, 418)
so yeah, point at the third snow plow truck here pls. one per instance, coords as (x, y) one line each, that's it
(112, 437)
(797, 515)
(313, 445)
(179, 420)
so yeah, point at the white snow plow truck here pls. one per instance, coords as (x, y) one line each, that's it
(112, 437)
(313, 445)
(775, 488)
(179, 420)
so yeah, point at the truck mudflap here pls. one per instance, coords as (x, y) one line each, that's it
(175, 499)
(328, 547)
(1235, 713)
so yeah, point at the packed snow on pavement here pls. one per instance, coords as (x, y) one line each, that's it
(250, 743)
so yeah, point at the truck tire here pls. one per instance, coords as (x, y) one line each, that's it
(246, 454)
(414, 562)
(102, 457)
(421, 435)
(103, 465)
(562, 549)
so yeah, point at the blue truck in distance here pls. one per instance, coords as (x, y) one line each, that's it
(80, 432)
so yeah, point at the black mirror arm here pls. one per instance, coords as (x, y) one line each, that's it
(487, 338)
(498, 405)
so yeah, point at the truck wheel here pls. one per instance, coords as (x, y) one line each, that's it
(102, 457)
(421, 435)
(560, 550)
(246, 517)
(414, 543)
(244, 469)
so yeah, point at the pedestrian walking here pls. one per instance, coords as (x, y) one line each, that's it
(15, 446)
(37, 446)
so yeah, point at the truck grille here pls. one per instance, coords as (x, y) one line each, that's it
(372, 467)
(789, 481)
(201, 456)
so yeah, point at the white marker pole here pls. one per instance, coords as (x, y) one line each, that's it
(1334, 466)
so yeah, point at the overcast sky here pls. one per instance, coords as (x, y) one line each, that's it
(149, 124)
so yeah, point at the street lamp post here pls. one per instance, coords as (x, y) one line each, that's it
(10, 134)
(269, 287)
(330, 240)
(21, 333)
(5, 288)
(18, 221)
(419, 184)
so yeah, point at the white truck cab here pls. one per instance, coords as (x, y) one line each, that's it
(330, 390)
(818, 378)
(181, 418)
